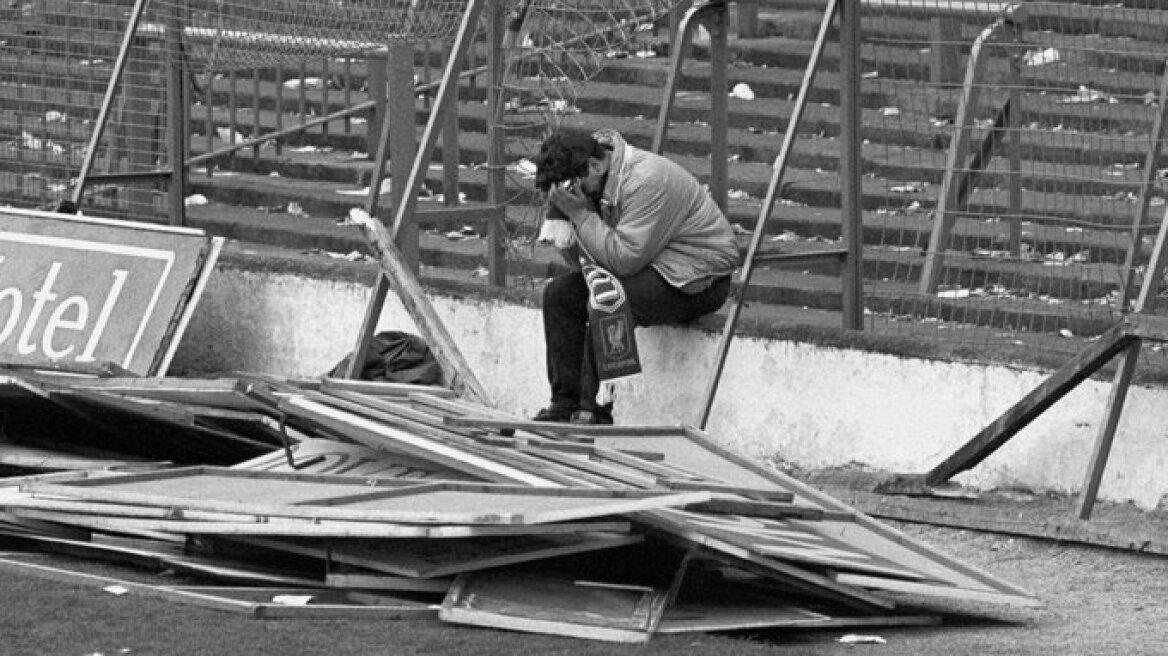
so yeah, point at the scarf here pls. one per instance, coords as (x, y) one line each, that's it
(610, 321)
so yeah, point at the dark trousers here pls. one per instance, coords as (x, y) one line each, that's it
(571, 365)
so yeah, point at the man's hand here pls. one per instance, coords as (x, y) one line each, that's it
(571, 201)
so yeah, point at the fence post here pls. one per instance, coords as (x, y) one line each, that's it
(851, 206)
(945, 34)
(375, 80)
(497, 230)
(747, 18)
(403, 142)
(178, 129)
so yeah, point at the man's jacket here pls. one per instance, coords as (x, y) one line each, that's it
(655, 213)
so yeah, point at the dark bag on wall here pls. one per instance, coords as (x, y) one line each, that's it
(396, 357)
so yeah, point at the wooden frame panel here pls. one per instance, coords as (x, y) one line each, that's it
(347, 498)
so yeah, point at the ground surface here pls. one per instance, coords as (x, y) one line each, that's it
(1098, 601)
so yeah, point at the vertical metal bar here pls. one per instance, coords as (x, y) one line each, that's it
(232, 109)
(256, 128)
(375, 76)
(497, 230)
(110, 91)
(851, 165)
(443, 102)
(209, 119)
(348, 93)
(1153, 274)
(177, 111)
(427, 46)
(931, 274)
(1140, 213)
(777, 171)
(681, 36)
(279, 108)
(324, 96)
(451, 156)
(747, 19)
(303, 95)
(1099, 454)
(717, 26)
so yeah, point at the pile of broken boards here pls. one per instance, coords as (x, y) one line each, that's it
(327, 498)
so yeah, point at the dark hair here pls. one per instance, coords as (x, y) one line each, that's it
(564, 156)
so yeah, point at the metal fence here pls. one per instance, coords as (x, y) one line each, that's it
(1014, 161)
(1012, 179)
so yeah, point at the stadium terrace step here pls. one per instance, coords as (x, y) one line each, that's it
(1081, 158)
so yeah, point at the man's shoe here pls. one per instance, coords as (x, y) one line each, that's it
(555, 413)
(591, 417)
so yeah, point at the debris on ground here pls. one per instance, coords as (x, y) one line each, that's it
(357, 497)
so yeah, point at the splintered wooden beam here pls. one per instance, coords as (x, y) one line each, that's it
(417, 304)
(993, 436)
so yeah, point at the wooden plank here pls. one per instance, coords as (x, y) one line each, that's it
(343, 611)
(614, 473)
(430, 559)
(761, 494)
(719, 616)
(376, 388)
(748, 508)
(15, 455)
(928, 589)
(322, 456)
(561, 429)
(524, 602)
(62, 575)
(989, 439)
(384, 582)
(378, 435)
(314, 528)
(318, 497)
(157, 556)
(798, 542)
(216, 599)
(639, 460)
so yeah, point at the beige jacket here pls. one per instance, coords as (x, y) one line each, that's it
(655, 213)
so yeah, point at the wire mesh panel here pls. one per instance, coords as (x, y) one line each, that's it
(232, 34)
(1009, 149)
(58, 57)
(55, 63)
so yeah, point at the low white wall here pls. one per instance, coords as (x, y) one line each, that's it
(804, 404)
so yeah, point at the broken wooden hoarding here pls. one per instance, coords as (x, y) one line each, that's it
(805, 550)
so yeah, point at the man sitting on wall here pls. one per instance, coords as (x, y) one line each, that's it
(646, 221)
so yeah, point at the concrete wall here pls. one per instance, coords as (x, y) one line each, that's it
(778, 401)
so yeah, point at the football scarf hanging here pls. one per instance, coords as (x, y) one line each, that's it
(610, 323)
